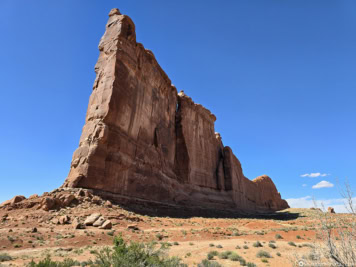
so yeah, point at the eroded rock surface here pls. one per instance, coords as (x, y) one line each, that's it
(143, 140)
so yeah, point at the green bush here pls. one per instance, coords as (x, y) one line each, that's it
(263, 254)
(271, 245)
(206, 263)
(47, 262)
(211, 254)
(159, 236)
(224, 255)
(5, 257)
(251, 264)
(292, 244)
(245, 247)
(235, 257)
(134, 254)
(257, 244)
(278, 236)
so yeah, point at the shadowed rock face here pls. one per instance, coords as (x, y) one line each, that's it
(143, 140)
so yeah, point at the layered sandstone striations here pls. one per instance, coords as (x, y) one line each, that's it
(143, 140)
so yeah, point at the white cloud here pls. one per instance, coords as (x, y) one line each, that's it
(307, 202)
(304, 185)
(323, 184)
(314, 174)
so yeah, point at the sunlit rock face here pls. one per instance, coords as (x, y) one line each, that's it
(143, 140)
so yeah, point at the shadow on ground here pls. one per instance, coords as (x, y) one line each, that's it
(185, 213)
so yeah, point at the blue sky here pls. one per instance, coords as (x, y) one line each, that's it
(279, 76)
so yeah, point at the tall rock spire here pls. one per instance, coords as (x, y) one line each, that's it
(142, 140)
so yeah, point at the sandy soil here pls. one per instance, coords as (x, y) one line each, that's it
(190, 238)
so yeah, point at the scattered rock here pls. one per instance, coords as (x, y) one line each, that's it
(331, 210)
(33, 196)
(64, 219)
(14, 200)
(99, 221)
(108, 204)
(106, 225)
(48, 203)
(77, 224)
(96, 200)
(68, 200)
(92, 218)
(34, 230)
(81, 193)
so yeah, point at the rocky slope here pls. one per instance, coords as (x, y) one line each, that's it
(144, 141)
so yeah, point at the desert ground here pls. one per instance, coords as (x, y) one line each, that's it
(33, 233)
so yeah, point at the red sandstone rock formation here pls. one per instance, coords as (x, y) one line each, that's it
(143, 140)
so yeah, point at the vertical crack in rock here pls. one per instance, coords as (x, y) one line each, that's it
(143, 140)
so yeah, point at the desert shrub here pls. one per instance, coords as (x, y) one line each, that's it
(214, 253)
(263, 254)
(211, 254)
(47, 262)
(211, 245)
(224, 255)
(251, 264)
(134, 254)
(5, 257)
(206, 263)
(219, 246)
(292, 244)
(176, 243)
(235, 257)
(278, 236)
(159, 236)
(110, 233)
(257, 244)
(278, 254)
(271, 245)
(264, 260)
(245, 247)
(299, 237)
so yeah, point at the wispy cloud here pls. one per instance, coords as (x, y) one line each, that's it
(314, 174)
(304, 185)
(307, 202)
(323, 184)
